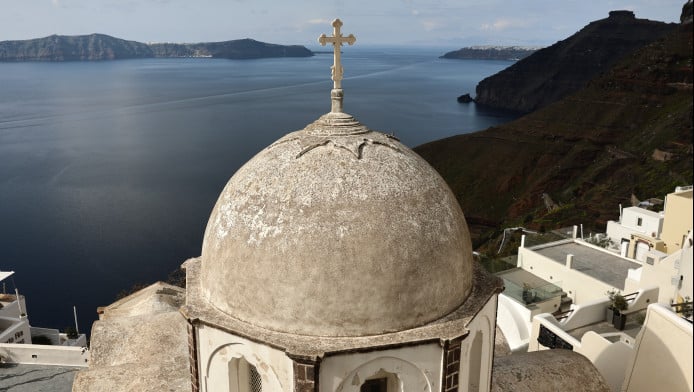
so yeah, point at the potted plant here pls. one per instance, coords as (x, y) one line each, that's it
(527, 293)
(618, 304)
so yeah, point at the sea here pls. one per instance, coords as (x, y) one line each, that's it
(109, 170)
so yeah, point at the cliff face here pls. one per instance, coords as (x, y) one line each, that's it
(628, 132)
(565, 67)
(104, 47)
(73, 48)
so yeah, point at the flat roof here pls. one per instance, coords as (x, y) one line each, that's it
(5, 274)
(599, 264)
(519, 276)
(646, 212)
(33, 378)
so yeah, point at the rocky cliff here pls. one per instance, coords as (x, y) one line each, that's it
(588, 152)
(490, 53)
(104, 47)
(565, 67)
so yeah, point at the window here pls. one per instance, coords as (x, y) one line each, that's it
(244, 377)
(639, 221)
(375, 385)
(382, 381)
(255, 383)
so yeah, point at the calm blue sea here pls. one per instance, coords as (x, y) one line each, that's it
(109, 170)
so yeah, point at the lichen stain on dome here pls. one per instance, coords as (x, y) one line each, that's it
(303, 242)
(240, 208)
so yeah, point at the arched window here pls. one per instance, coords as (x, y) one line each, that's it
(380, 382)
(475, 361)
(244, 377)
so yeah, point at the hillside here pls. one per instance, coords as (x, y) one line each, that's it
(103, 47)
(73, 48)
(490, 53)
(236, 49)
(565, 67)
(628, 132)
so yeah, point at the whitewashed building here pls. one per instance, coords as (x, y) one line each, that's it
(16, 333)
(557, 297)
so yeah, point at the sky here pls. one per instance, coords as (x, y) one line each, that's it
(437, 23)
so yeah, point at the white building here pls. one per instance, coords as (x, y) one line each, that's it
(635, 222)
(16, 334)
(640, 233)
(557, 298)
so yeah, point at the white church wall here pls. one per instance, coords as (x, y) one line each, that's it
(477, 350)
(514, 321)
(417, 368)
(663, 358)
(217, 349)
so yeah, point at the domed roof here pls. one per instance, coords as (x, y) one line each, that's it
(336, 230)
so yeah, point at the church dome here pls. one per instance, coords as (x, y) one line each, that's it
(336, 230)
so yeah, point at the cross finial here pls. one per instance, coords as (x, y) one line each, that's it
(336, 40)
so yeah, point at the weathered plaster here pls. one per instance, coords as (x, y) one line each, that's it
(546, 371)
(451, 326)
(331, 212)
(217, 348)
(416, 368)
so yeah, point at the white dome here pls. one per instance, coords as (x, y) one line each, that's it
(336, 230)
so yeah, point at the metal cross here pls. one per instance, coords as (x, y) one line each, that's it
(337, 40)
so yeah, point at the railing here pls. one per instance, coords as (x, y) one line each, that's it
(684, 309)
(563, 315)
(631, 296)
(529, 295)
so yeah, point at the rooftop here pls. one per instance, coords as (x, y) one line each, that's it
(36, 378)
(645, 212)
(599, 264)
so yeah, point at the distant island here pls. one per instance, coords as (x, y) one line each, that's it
(491, 53)
(95, 47)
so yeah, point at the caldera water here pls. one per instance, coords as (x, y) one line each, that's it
(109, 170)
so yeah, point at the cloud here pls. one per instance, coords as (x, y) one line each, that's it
(318, 21)
(505, 24)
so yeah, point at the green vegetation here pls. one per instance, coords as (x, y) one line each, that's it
(590, 152)
(619, 303)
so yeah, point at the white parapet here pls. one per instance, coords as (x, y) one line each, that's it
(36, 354)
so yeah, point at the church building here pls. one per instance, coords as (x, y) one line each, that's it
(335, 260)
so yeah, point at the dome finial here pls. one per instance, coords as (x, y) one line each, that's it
(337, 40)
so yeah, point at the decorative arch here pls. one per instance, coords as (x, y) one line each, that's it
(480, 358)
(401, 374)
(233, 366)
(474, 378)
